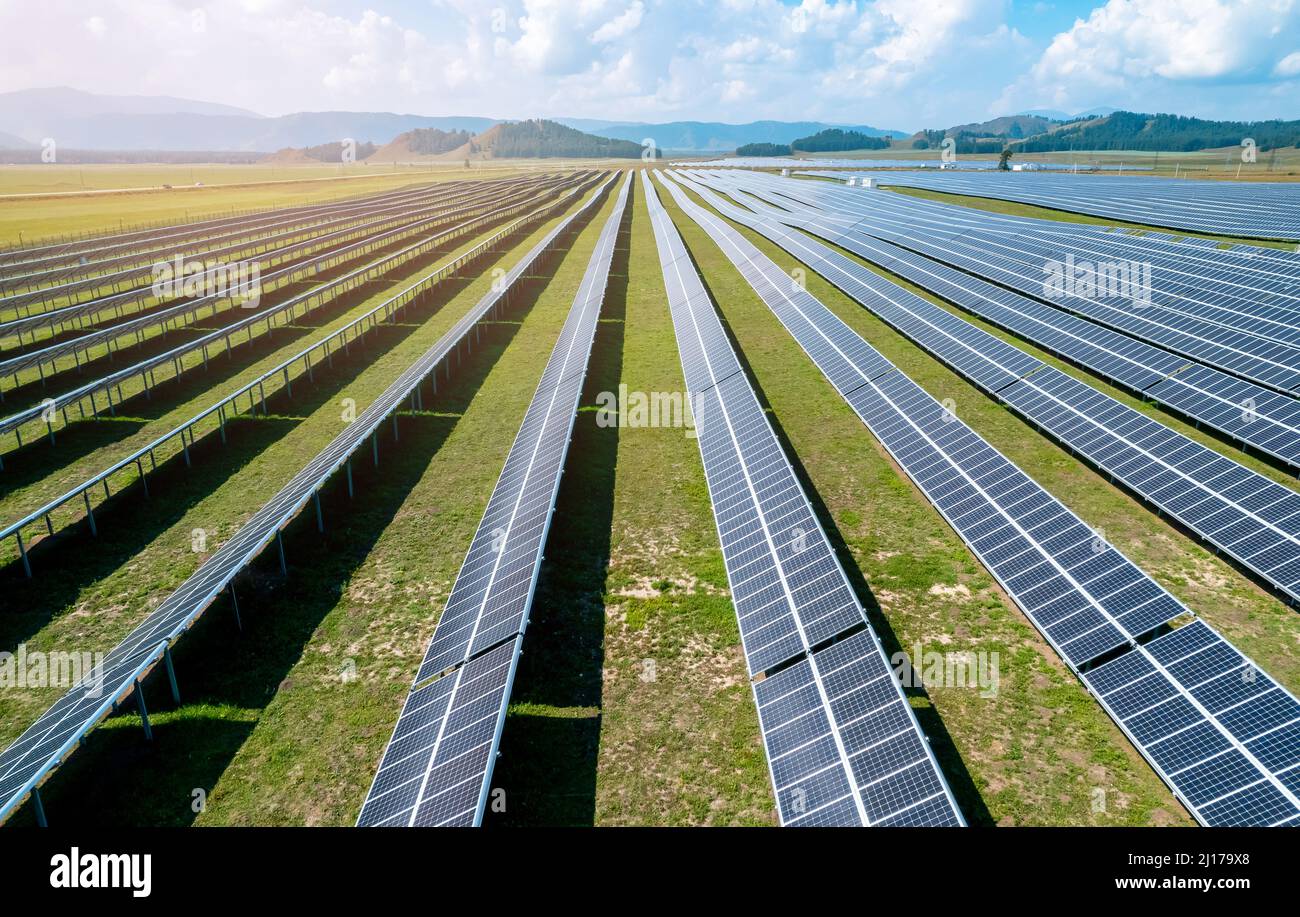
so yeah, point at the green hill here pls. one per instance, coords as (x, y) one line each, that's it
(1126, 130)
(541, 139)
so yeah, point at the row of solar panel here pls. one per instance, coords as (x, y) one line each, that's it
(1239, 511)
(1087, 599)
(842, 743)
(1240, 273)
(1249, 413)
(1191, 250)
(1043, 551)
(437, 768)
(1228, 313)
(43, 745)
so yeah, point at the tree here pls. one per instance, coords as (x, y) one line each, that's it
(1004, 159)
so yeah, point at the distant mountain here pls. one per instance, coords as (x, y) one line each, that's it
(86, 121)
(10, 142)
(1052, 114)
(1012, 126)
(590, 125)
(715, 136)
(763, 149)
(60, 102)
(1102, 129)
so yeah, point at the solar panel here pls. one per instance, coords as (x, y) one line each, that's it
(450, 765)
(1087, 599)
(1224, 734)
(432, 774)
(824, 690)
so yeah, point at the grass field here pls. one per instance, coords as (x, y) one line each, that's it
(632, 704)
(38, 202)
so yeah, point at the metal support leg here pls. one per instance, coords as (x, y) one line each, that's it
(38, 809)
(320, 518)
(144, 711)
(171, 676)
(234, 600)
(279, 543)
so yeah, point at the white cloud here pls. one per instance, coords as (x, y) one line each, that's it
(1146, 50)
(893, 63)
(1289, 65)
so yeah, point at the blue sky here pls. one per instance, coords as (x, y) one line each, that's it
(900, 64)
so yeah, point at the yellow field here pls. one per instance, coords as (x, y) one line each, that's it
(42, 201)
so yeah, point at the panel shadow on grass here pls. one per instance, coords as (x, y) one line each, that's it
(547, 768)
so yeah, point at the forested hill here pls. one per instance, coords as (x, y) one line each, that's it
(543, 139)
(834, 140)
(1126, 130)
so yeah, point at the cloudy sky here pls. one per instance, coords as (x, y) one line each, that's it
(901, 64)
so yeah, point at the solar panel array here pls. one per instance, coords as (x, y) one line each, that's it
(252, 396)
(1260, 210)
(1087, 599)
(54, 734)
(962, 164)
(1244, 411)
(35, 296)
(224, 338)
(1241, 512)
(1200, 329)
(843, 745)
(437, 768)
(358, 242)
